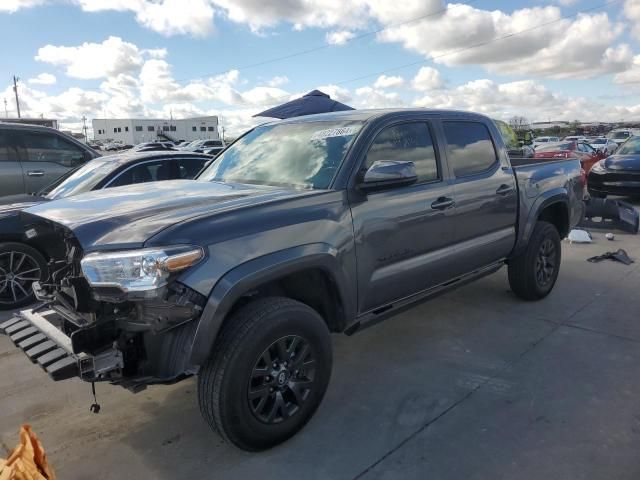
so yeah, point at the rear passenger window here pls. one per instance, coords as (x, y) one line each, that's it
(409, 142)
(470, 147)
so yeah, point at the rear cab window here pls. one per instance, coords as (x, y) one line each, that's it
(470, 148)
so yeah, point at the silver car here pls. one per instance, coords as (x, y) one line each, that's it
(32, 157)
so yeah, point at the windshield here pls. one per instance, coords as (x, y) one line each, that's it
(555, 147)
(631, 147)
(542, 140)
(599, 140)
(303, 155)
(84, 178)
(620, 135)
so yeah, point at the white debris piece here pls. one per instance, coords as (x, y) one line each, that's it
(579, 236)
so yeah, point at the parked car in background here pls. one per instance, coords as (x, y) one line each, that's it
(32, 157)
(317, 224)
(575, 138)
(620, 135)
(23, 259)
(618, 174)
(201, 145)
(544, 140)
(153, 147)
(603, 144)
(213, 151)
(571, 149)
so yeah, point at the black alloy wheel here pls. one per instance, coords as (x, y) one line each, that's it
(20, 266)
(546, 262)
(282, 379)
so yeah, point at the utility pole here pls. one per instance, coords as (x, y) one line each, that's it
(6, 112)
(15, 90)
(84, 128)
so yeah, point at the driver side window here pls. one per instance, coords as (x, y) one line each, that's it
(409, 142)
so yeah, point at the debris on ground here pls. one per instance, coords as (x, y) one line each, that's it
(610, 236)
(27, 461)
(618, 256)
(580, 236)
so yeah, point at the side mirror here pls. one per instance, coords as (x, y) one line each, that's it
(385, 174)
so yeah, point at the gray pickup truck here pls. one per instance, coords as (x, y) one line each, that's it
(303, 227)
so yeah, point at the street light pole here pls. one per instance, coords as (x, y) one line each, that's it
(15, 90)
(84, 128)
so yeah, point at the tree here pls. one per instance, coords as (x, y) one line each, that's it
(519, 124)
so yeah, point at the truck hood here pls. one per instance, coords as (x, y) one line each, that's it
(623, 162)
(126, 217)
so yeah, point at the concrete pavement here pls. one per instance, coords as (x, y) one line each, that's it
(475, 384)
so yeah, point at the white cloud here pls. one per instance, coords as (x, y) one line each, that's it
(277, 81)
(336, 92)
(427, 78)
(94, 60)
(631, 76)
(632, 12)
(370, 97)
(384, 81)
(43, 79)
(168, 17)
(339, 37)
(11, 6)
(562, 48)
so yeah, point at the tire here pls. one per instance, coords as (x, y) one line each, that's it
(20, 266)
(533, 273)
(238, 392)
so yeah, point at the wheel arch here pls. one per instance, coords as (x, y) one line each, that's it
(311, 274)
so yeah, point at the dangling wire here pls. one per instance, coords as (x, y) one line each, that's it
(95, 407)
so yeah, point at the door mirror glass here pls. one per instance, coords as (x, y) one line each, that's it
(384, 174)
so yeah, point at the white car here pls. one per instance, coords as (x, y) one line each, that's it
(575, 138)
(605, 145)
(544, 140)
(621, 135)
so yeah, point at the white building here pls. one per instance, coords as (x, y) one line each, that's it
(132, 131)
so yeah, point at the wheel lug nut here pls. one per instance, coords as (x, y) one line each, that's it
(268, 378)
(271, 390)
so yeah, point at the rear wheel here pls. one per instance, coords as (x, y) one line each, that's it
(534, 272)
(20, 266)
(267, 374)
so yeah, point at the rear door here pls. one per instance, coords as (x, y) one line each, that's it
(486, 196)
(11, 178)
(403, 234)
(46, 157)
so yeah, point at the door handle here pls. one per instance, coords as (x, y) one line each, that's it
(442, 203)
(35, 173)
(504, 190)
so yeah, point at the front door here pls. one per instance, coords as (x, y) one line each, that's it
(46, 157)
(486, 196)
(403, 234)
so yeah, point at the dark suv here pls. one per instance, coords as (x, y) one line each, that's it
(32, 157)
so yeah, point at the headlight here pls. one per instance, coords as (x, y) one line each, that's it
(598, 167)
(138, 270)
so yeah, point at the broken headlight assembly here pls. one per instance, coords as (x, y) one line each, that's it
(141, 270)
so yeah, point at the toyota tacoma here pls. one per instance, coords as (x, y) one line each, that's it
(301, 228)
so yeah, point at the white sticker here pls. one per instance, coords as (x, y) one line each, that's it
(31, 233)
(334, 132)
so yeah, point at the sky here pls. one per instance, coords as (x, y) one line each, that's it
(541, 59)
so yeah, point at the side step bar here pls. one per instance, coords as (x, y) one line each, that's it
(43, 343)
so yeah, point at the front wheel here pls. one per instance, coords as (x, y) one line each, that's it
(534, 272)
(267, 374)
(20, 266)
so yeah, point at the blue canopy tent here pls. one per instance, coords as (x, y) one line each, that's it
(313, 102)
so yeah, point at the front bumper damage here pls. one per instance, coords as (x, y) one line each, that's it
(38, 334)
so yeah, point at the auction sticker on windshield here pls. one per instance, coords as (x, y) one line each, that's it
(334, 132)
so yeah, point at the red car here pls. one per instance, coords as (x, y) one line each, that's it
(586, 153)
